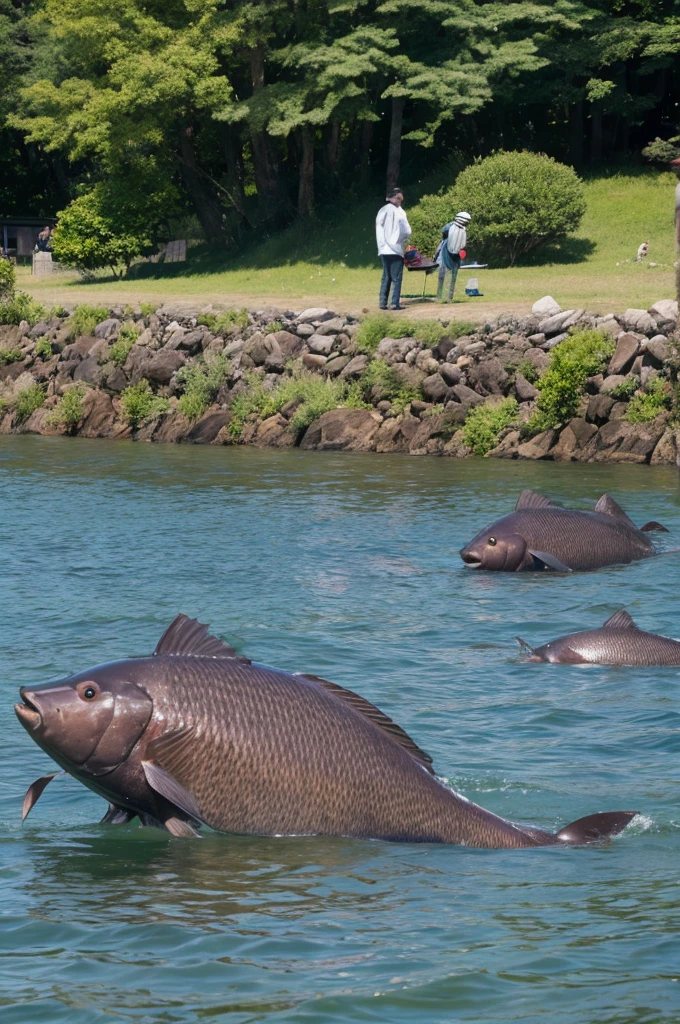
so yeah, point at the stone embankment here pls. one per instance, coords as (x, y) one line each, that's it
(451, 378)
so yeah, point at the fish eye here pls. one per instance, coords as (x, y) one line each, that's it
(492, 541)
(87, 691)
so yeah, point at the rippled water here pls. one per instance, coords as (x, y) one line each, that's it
(345, 566)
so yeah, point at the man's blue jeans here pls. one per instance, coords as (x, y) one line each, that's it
(393, 271)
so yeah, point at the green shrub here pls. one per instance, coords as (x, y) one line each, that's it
(57, 311)
(84, 319)
(43, 348)
(68, 411)
(147, 308)
(484, 423)
(377, 326)
(230, 320)
(127, 336)
(138, 403)
(8, 280)
(518, 202)
(578, 357)
(10, 355)
(273, 327)
(647, 404)
(21, 307)
(528, 371)
(381, 382)
(200, 382)
(28, 400)
(626, 388)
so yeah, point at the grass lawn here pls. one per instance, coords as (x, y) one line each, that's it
(334, 264)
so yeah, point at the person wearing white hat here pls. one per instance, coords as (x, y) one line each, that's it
(452, 250)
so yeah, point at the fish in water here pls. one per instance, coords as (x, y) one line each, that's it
(618, 642)
(539, 535)
(196, 734)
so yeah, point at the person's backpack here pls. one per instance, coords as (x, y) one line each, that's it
(445, 230)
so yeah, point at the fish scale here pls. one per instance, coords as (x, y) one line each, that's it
(614, 540)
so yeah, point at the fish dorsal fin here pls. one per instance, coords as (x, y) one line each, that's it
(190, 637)
(374, 715)
(620, 620)
(606, 506)
(532, 499)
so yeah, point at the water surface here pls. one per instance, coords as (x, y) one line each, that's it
(344, 566)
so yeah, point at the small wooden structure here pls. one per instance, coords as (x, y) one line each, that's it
(18, 234)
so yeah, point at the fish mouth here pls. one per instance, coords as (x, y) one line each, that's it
(470, 559)
(28, 713)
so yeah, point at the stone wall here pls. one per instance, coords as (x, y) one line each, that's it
(452, 377)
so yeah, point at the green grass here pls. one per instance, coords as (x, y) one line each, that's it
(648, 403)
(336, 264)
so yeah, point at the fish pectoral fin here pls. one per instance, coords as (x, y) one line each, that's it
(190, 637)
(595, 827)
(180, 828)
(524, 644)
(34, 792)
(117, 816)
(620, 620)
(608, 507)
(653, 525)
(167, 785)
(545, 560)
(532, 499)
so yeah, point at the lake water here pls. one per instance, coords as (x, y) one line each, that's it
(345, 566)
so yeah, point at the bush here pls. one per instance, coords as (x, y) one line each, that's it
(28, 400)
(127, 336)
(528, 371)
(10, 355)
(484, 423)
(21, 307)
(230, 320)
(201, 382)
(68, 411)
(625, 389)
(380, 382)
(8, 280)
(647, 404)
(84, 319)
(518, 202)
(147, 308)
(138, 403)
(273, 327)
(43, 348)
(561, 387)
(377, 326)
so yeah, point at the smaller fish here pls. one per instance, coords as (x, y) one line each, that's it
(618, 642)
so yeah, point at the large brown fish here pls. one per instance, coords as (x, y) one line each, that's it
(618, 642)
(195, 734)
(540, 535)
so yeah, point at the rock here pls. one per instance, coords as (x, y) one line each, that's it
(599, 407)
(257, 348)
(304, 330)
(10, 335)
(114, 378)
(575, 436)
(172, 428)
(555, 323)
(389, 437)
(475, 348)
(343, 430)
(610, 384)
(355, 367)
(466, 396)
(658, 349)
(638, 320)
(538, 447)
(314, 361)
(307, 316)
(334, 326)
(666, 450)
(107, 328)
(409, 376)
(557, 340)
(336, 364)
(190, 341)
(138, 358)
(572, 320)
(234, 348)
(609, 326)
(206, 429)
(433, 433)
(523, 389)
(507, 447)
(162, 365)
(321, 343)
(99, 417)
(536, 339)
(442, 349)
(425, 361)
(435, 388)
(489, 377)
(393, 350)
(619, 441)
(79, 349)
(275, 362)
(38, 330)
(627, 348)
(546, 307)
(451, 374)
(275, 432)
(89, 371)
(538, 358)
(290, 344)
(618, 410)
(664, 309)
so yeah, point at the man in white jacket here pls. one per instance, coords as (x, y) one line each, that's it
(392, 231)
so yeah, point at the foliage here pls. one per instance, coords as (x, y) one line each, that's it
(127, 336)
(376, 326)
(10, 355)
(8, 280)
(528, 370)
(228, 321)
(147, 308)
(626, 388)
(68, 411)
(662, 151)
(575, 359)
(273, 326)
(655, 398)
(84, 319)
(43, 348)
(138, 403)
(28, 400)
(200, 382)
(380, 382)
(21, 306)
(484, 423)
(517, 201)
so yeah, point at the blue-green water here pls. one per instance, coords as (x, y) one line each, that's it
(345, 566)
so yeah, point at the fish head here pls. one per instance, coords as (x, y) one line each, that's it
(496, 547)
(557, 652)
(90, 721)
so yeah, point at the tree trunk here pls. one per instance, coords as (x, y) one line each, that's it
(201, 191)
(596, 132)
(394, 151)
(306, 186)
(264, 164)
(576, 133)
(233, 156)
(365, 139)
(333, 147)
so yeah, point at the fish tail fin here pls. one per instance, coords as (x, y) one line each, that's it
(595, 827)
(653, 525)
(524, 645)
